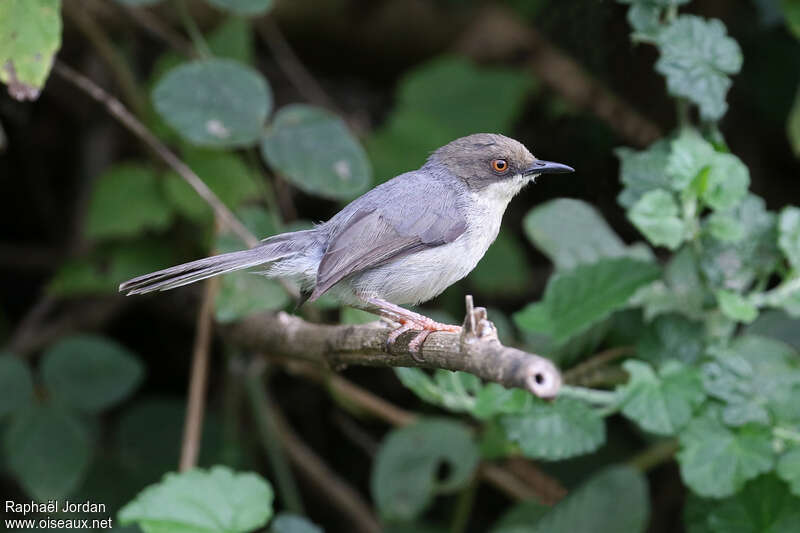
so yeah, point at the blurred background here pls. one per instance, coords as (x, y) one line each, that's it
(406, 76)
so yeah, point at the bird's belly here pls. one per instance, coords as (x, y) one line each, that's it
(421, 275)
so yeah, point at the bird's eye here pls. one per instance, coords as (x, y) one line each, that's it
(499, 165)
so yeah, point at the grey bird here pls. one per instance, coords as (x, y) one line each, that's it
(403, 242)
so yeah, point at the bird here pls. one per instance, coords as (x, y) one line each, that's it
(401, 243)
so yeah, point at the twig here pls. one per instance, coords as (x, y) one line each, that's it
(115, 107)
(270, 439)
(599, 360)
(198, 382)
(343, 345)
(336, 489)
(549, 490)
(105, 49)
(291, 65)
(658, 453)
(497, 33)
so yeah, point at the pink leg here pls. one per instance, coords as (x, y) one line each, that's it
(408, 321)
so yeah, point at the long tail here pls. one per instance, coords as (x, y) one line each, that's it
(270, 250)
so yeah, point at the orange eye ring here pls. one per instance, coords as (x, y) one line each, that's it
(499, 165)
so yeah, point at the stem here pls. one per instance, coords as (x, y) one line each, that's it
(463, 507)
(198, 382)
(116, 109)
(270, 439)
(194, 32)
(593, 396)
(655, 455)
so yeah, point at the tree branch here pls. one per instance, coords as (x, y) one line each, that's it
(476, 350)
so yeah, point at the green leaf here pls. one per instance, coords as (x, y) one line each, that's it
(696, 58)
(793, 122)
(756, 377)
(90, 373)
(217, 500)
(661, 403)
(726, 183)
(724, 227)
(104, 270)
(614, 499)
(777, 325)
(233, 39)
(578, 298)
(243, 7)
(126, 201)
(30, 36)
(791, 13)
(291, 523)
(224, 173)
(556, 430)
(138, 3)
(404, 476)
(642, 171)
(16, 383)
(48, 451)
(788, 469)
(455, 391)
(682, 290)
(689, 155)
(789, 234)
(521, 518)
(763, 506)
(657, 216)
(216, 103)
(504, 269)
(314, 150)
(645, 19)
(734, 266)
(430, 110)
(671, 336)
(494, 399)
(716, 461)
(736, 307)
(570, 232)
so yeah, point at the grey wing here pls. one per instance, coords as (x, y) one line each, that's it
(375, 235)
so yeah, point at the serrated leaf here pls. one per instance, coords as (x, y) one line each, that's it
(243, 7)
(452, 390)
(292, 523)
(661, 403)
(126, 200)
(504, 269)
(404, 476)
(776, 325)
(681, 290)
(16, 383)
(557, 430)
(642, 171)
(763, 506)
(571, 232)
(233, 39)
(736, 307)
(734, 266)
(615, 499)
(429, 110)
(90, 373)
(696, 58)
(726, 183)
(724, 227)
(217, 500)
(494, 399)
(757, 379)
(689, 155)
(314, 150)
(30, 36)
(645, 20)
(48, 451)
(215, 103)
(657, 216)
(671, 336)
(716, 461)
(788, 469)
(789, 234)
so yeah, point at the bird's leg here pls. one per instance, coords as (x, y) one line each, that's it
(408, 320)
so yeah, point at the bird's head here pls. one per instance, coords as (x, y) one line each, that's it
(482, 160)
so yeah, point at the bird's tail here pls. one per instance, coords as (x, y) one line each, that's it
(270, 250)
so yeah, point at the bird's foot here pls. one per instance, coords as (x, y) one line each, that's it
(424, 326)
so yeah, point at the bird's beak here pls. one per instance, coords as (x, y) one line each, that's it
(547, 167)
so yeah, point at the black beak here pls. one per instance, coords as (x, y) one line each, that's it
(547, 167)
